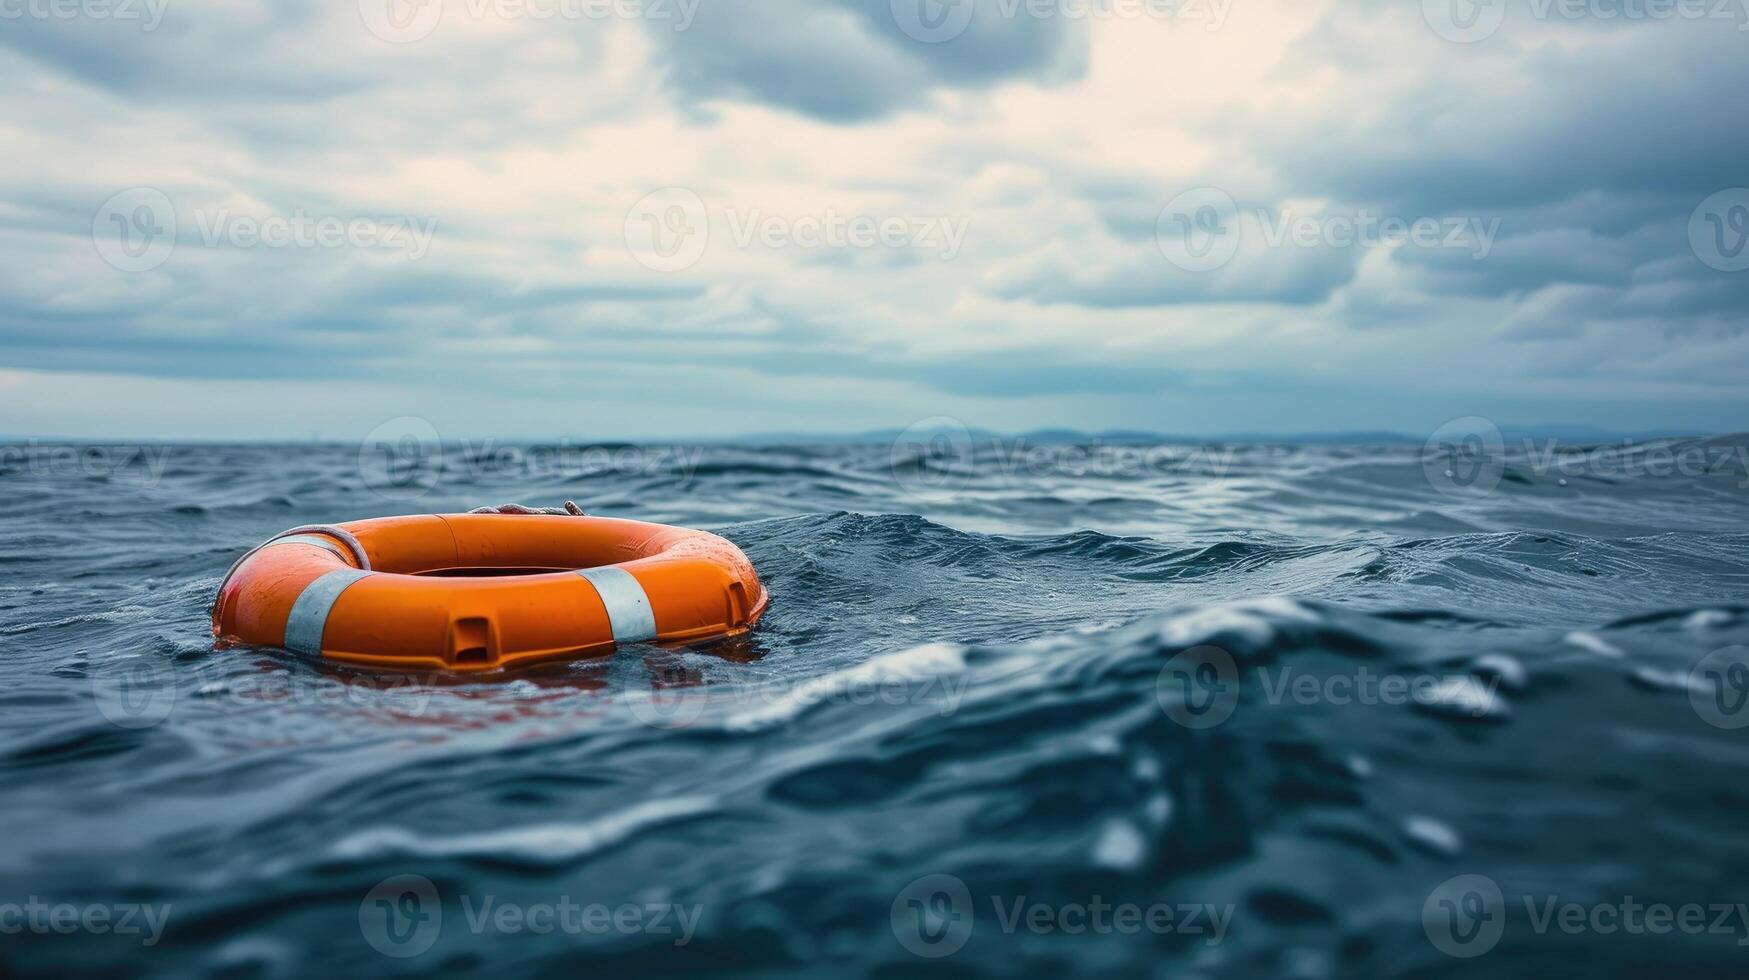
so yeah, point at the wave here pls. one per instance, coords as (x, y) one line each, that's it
(1289, 690)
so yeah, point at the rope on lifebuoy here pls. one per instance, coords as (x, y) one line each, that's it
(569, 510)
(338, 533)
(352, 544)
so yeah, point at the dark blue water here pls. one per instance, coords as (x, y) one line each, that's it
(1179, 711)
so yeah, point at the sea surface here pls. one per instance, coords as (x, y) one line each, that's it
(1016, 708)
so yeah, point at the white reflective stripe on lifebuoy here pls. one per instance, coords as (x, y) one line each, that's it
(628, 607)
(326, 544)
(309, 615)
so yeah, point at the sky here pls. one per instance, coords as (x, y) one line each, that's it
(670, 218)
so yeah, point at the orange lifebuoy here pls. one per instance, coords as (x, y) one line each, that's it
(474, 592)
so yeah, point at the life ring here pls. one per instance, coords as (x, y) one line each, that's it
(477, 592)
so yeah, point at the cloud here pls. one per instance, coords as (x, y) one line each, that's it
(850, 60)
(1528, 121)
(527, 144)
(1116, 275)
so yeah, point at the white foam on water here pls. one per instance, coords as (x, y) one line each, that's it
(915, 664)
(1672, 680)
(1254, 620)
(539, 843)
(1706, 619)
(1433, 835)
(1509, 671)
(1463, 697)
(1593, 643)
(1120, 846)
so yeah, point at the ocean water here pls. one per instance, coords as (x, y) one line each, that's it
(1187, 711)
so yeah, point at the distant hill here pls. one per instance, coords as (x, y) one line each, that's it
(1571, 434)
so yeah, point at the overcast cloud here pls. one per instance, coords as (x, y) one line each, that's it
(613, 218)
